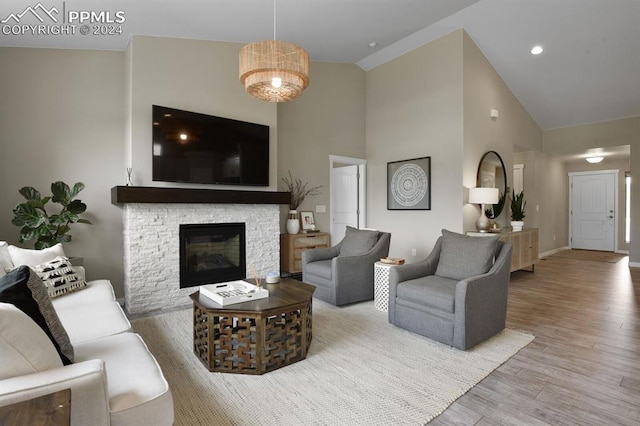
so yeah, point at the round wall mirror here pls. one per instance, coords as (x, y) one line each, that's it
(492, 174)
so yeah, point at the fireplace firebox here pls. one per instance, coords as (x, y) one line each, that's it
(212, 253)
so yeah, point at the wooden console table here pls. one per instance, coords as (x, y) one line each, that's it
(525, 246)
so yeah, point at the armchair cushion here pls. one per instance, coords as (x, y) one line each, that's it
(463, 256)
(23, 288)
(321, 268)
(358, 241)
(432, 291)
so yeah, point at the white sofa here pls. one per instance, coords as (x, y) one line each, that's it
(114, 379)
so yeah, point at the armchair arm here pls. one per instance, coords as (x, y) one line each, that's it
(483, 299)
(87, 381)
(314, 255)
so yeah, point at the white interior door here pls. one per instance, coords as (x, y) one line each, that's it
(592, 210)
(344, 200)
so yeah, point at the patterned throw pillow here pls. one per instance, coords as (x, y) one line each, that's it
(59, 276)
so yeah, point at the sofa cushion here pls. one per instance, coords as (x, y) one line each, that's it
(358, 241)
(95, 291)
(6, 264)
(92, 321)
(23, 288)
(60, 277)
(463, 256)
(24, 347)
(321, 268)
(29, 257)
(432, 291)
(136, 387)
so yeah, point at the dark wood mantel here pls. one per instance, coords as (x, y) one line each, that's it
(147, 194)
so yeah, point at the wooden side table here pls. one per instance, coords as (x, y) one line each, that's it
(293, 245)
(51, 409)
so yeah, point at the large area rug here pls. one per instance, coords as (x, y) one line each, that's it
(592, 255)
(360, 370)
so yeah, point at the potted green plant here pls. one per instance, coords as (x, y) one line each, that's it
(48, 229)
(299, 192)
(518, 204)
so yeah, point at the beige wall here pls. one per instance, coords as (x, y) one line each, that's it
(194, 75)
(622, 165)
(327, 120)
(546, 192)
(414, 108)
(484, 90)
(62, 115)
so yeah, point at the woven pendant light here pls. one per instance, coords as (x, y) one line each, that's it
(273, 70)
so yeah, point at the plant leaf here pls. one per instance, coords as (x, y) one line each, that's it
(76, 207)
(26, 214)
(61, 193)
(29, 192)
(84, 221)
(79, 186)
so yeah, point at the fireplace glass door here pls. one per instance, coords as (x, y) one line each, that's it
(212, 253)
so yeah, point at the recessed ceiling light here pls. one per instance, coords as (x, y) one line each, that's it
(373, 44)
(536, 50)
(594, 160)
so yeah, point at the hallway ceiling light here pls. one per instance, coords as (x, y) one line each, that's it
(272, 70)
(536, 50)
(594, 160)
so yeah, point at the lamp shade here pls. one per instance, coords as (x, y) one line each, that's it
(484, 195)
(273, 70)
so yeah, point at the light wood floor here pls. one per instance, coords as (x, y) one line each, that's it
(583, 368)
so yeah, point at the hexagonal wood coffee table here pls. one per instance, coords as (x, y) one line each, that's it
(254, 337)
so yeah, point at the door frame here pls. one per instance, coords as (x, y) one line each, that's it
(362, 199)
(615, 202)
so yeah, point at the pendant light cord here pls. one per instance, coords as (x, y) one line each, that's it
(274, 19)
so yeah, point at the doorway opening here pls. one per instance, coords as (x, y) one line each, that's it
(347, 181)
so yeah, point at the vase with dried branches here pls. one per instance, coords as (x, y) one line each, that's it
(299, 191)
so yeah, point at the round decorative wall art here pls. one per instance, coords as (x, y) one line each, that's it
(409, 185)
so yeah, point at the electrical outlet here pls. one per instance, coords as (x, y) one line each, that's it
(413, 252)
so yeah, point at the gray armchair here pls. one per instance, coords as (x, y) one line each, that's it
(343, 273)
(457, 295)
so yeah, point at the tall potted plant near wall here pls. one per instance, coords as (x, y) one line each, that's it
(45, 227)
(299, 192)
(517, 210)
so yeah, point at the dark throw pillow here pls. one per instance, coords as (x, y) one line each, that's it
(463, 256)
(24, 289)
(358, 241)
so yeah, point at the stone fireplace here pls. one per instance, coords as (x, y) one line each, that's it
(152, 237)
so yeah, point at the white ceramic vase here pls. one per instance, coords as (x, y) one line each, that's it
(517, 225)
(293, 224)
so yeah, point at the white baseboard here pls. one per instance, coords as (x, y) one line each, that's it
(554, 251)
(634, 264)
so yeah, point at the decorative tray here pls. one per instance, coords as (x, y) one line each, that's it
(232, 292)
(392, 260)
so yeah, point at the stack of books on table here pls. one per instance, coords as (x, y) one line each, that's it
(232, 292)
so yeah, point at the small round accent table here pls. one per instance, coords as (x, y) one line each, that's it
(381, 285)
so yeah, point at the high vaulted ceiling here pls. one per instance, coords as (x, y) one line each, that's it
(589, 70)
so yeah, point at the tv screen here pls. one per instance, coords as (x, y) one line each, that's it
(199, 148)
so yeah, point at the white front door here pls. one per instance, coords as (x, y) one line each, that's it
(592, 210)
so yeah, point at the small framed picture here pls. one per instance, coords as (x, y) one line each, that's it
(308, 224)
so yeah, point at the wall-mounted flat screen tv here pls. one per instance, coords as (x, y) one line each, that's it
(199, 148)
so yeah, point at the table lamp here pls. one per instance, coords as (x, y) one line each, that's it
(483, 196)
